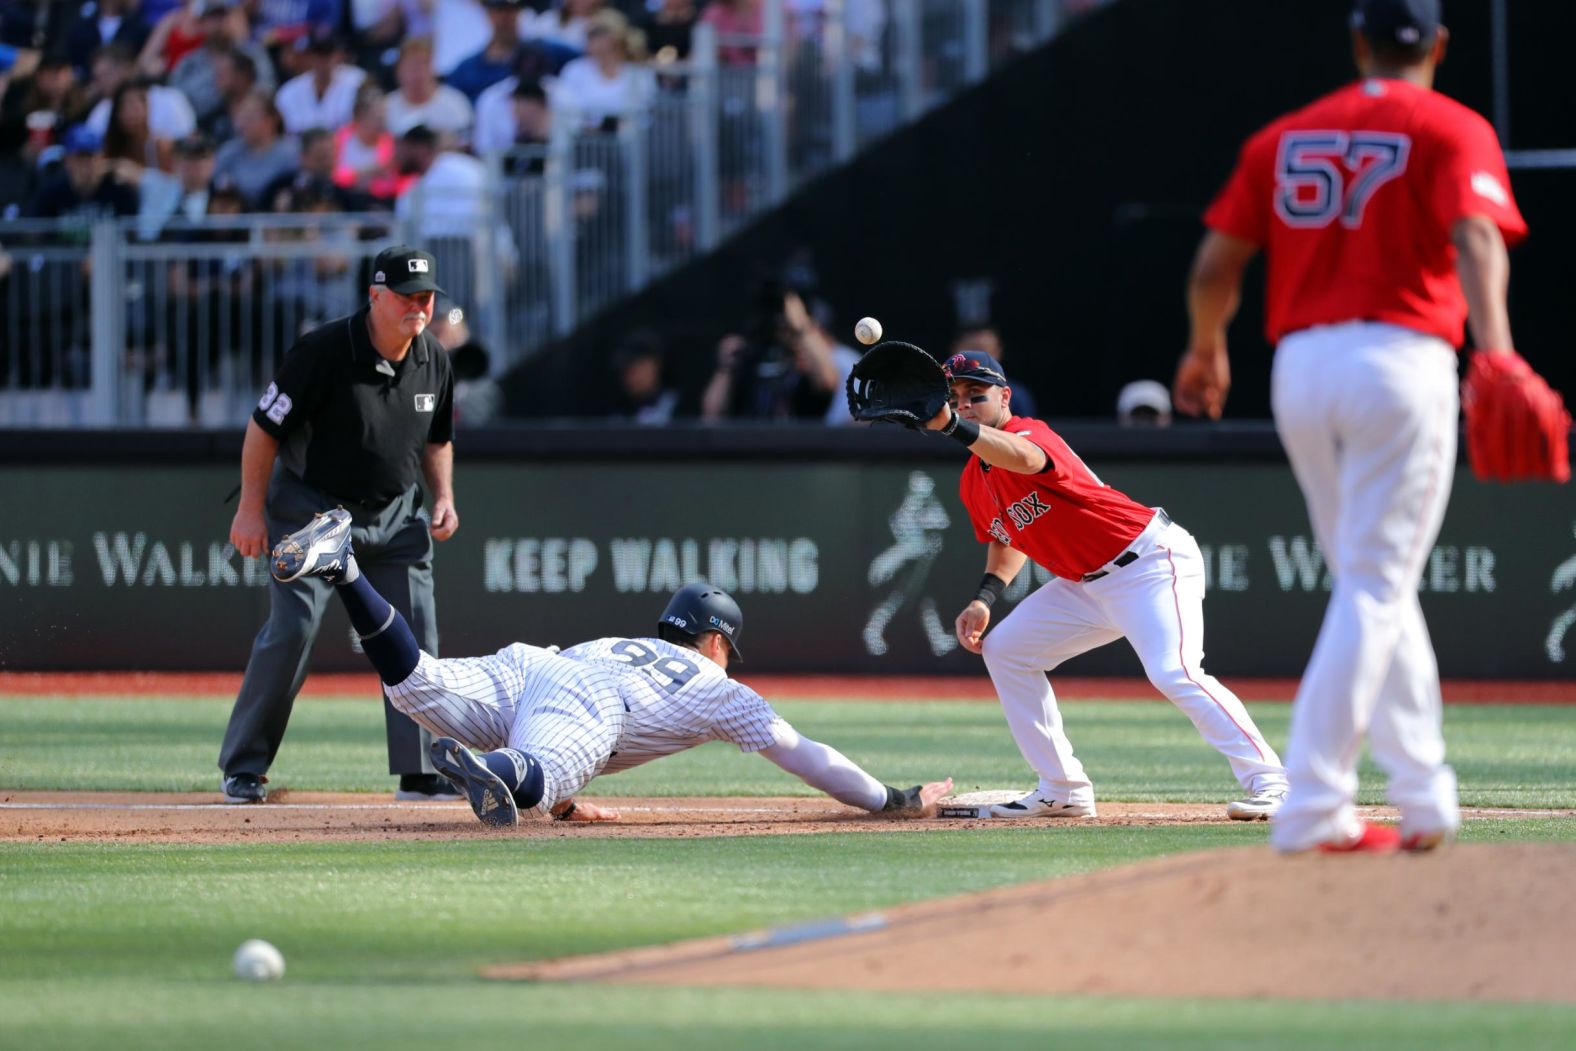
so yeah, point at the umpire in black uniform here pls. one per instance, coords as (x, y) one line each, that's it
(360, 412)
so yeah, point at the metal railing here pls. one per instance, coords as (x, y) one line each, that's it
(739, 126)
(106, 327)
(109, 323)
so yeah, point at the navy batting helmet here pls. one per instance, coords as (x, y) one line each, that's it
(695, 608)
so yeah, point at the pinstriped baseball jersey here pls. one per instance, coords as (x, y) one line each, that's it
(603, 706)
(677, 699)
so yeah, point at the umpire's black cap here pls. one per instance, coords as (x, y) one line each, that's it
(697, 608)
(405, 270)
(976, 366)
(1404, 22)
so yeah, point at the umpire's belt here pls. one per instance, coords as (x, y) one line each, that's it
(364, 511)
(1141, 543)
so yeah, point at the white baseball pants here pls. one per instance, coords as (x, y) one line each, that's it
(1157, 603)
(1367, 413)
(567, 715)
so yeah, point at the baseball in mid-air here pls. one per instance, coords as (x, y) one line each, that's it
(867, 330)
(258, 961)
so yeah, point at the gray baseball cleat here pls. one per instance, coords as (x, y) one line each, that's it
(1037, 804)
(245, 788)
(321, 548)
(1260, 806)
(490, 798)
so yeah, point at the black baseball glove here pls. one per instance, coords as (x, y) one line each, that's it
(897, 382)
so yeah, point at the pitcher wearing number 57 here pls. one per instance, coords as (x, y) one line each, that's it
(1384, 210)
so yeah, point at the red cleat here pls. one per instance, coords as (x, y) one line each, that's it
(1373, 839)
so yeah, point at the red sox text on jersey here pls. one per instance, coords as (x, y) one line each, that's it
(1093, 522)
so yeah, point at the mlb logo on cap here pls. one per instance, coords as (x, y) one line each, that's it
(406, 270)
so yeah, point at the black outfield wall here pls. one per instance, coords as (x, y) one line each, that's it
(848, 551)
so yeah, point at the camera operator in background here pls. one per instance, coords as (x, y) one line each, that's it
(784, 366)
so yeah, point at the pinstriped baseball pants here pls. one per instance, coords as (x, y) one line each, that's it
(569, 716)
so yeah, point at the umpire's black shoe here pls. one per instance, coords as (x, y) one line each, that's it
(319, 549)
(426, 788)
(245, 788)
(490, 798)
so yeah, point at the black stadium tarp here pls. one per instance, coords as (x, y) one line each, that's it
(847, 551)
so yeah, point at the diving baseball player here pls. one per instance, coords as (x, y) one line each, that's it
(1120, 570)
(1384, 209)
(546, 723)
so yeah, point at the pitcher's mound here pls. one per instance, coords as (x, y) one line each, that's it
(1474, 922)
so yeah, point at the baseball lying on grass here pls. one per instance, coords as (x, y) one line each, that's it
(257, 961)
(867, 330)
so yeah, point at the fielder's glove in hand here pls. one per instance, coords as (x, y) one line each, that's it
(898, 383)
(1517, 426)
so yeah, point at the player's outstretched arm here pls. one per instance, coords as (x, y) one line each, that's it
(825, 768)
(1010, 452)
(919, 801)
(1002, 565)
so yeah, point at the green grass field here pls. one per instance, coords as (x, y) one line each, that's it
(126, 944)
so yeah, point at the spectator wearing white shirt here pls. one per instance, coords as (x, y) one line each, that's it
(184, 194)
(494, 129)
(608, 82)
(450, 192)
(421, 99)
(495, 121)
(452, 205)
(460, 29)
(170, 115)
(563, 24)
(325, 95)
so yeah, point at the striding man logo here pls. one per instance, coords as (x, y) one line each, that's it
(1564, 579)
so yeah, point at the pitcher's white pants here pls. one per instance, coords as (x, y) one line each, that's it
(1157, 603)
(1367, 413)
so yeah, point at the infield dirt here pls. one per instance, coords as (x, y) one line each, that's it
(1474, 921)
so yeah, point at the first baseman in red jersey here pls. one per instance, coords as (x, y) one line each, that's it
(1121, 570)
(1384, 210)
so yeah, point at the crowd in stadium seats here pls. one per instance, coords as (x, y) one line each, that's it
(118, 106)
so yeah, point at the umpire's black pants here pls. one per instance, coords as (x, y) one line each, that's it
(394, 549)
